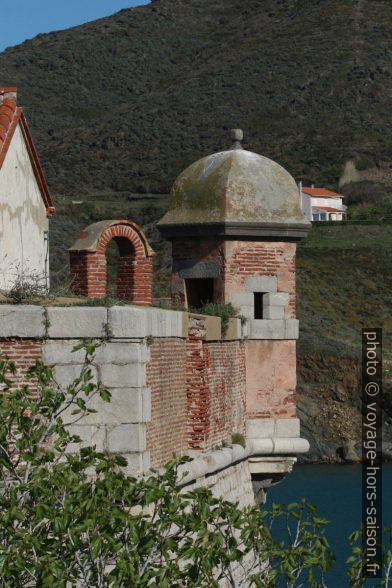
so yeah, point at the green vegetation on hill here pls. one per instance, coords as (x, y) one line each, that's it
(124, 103)
(344, 283)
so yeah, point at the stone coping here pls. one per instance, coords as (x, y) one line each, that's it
(127, 322)
(291, 232)
(209, 463)
(267, 439)
(79, 322)
(272, 329)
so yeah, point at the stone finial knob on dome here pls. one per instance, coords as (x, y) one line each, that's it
(237, 135)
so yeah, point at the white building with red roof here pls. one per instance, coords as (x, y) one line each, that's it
(320, 204)
(25, 201)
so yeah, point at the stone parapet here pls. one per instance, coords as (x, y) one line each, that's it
(266, 428)
(76, 322)
(130, 322)
(271, 329)
(234, 330)
(22, 321)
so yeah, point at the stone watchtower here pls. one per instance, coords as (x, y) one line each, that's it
(234, 220)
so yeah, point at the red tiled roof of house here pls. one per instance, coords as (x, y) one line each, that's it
(327, 208)
(322, 192)
(10, 116)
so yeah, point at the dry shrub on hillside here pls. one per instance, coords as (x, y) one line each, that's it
(363, 193)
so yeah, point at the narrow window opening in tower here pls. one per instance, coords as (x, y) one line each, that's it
(199, 291)
(258, 305)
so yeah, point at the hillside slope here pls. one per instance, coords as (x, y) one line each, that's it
(126, 102)
(344, 281)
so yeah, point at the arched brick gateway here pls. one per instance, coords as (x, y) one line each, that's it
(134, 269)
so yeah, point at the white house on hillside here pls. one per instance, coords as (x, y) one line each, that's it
(25, 201)
(320, 204)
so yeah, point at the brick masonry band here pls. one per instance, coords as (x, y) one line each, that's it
(134, 265)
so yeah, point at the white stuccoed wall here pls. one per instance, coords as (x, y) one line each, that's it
(306, 204)
(23, 218)
(332, 202)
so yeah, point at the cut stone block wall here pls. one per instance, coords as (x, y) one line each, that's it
(121, 425)
(231, 483)
(175, 385)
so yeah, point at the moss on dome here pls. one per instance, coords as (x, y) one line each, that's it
(234, 186)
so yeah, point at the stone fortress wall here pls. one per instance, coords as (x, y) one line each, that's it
(177, 387)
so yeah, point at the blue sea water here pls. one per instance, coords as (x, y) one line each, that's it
(336, 492)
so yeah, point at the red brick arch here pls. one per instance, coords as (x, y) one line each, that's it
(134, 269)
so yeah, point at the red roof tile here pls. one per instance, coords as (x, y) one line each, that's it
(10, 116)
(327, 208)
(12, 90)
(322, 192)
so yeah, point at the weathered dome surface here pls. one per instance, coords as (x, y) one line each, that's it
(234, 192)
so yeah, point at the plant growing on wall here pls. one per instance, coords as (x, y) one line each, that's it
(224, 311)
(75, 518)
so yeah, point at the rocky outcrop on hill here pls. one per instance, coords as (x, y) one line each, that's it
(329, 406)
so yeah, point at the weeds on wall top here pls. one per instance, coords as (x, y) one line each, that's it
(224, 311)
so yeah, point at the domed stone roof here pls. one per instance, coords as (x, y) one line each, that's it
(234, 192)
